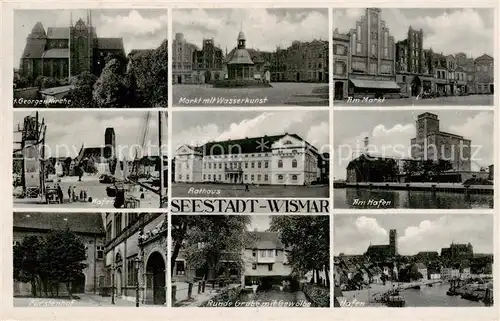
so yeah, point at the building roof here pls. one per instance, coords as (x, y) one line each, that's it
(484, 56)
(57, 33)
(34, 48)
(262, 144)
(265, 241)
(110, 43)
(420, 265)
(77, 222)
(241, 57)
(56, 53)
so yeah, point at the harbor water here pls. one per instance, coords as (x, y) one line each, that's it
(435, 296)
(272, 298)
(365, 198)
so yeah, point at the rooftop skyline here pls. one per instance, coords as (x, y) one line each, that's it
(264, 29)
(139, 28)
(415, 232)
(446, 30)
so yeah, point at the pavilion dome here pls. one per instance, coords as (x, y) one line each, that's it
(241, 36)
(241, 57)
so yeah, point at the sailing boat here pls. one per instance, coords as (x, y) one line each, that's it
(128, 189)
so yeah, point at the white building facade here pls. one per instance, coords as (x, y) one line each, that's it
(270, 160)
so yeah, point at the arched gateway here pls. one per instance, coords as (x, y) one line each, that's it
(155, 267)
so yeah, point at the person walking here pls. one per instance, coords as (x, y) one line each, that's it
(246, 188)
(69, 193)
(60, 194)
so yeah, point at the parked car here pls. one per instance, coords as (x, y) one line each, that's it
(106, 179)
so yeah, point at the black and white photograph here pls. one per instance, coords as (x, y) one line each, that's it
(413, 56)
(94, 58)
(413, 260)
(413, 159)
(96, 159)
(96, 266)
(251, 154)
(250, 57)
(253, 261)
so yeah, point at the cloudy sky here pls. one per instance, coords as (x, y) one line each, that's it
(259, 222)
(196, 128)
(68, 130)
(449, 31)
(390, 132)
(139, 28)
(264, 28)
(416, 232)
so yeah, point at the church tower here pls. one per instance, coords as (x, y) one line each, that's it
(393, 242)
(81, 46)
(109, 142)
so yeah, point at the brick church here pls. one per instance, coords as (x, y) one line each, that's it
(63, 51)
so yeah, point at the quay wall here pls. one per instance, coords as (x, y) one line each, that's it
(432, 187)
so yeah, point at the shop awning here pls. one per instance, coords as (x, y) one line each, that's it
(376, 84)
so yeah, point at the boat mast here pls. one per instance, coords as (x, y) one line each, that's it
(161, 156)
(69, 46)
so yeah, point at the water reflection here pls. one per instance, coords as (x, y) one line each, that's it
(273, 298)
(436, 297)
(364, 198)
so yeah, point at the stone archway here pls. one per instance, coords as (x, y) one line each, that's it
(156, 268)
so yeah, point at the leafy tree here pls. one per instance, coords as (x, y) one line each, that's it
(147, 77)
(79, 172)
(209, 239)
(441, 166)
(66, 166)
(81, 95)
(110, 89)
(309, 240)
(46, 262)
(61, 258)
(26, 257)
(411, 166)
(43, 82)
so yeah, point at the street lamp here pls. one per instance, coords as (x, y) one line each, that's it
(137, 262)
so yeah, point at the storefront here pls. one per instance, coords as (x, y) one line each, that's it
(441, 85)
(372, 87)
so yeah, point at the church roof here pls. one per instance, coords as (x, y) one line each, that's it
(241, 57)
(56, 53)
(57, 33)
(110, 43)
(77, 222)
(38, 30)
(34, 48)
